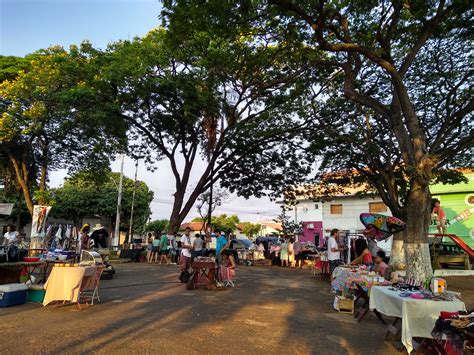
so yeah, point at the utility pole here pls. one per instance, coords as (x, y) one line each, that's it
(130, 230)
(209, 216)
(119, 203)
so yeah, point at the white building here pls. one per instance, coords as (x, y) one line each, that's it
(342, 212)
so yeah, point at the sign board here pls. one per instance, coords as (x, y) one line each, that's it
(6, 208)
(40, 215)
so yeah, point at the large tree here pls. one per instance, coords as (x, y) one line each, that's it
(190, 96)
(41, 127)
(397, 79)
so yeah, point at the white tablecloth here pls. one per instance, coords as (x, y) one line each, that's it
(418, 316)
(64, 283)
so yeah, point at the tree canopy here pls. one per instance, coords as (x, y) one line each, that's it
(85, 195)
(397, 84)
(157, 226)
(42, 127)
(222, 222)
(189, 97)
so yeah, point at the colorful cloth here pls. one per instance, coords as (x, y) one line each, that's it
(340, 275)
(381, 226)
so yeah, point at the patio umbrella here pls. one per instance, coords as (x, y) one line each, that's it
(381, 226)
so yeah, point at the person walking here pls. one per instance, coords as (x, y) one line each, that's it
(84, 237)
(164, 248)
(334, 252)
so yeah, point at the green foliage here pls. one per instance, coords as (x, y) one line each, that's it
(222, 222)
(157, 226)
(289, 227)
(83, 195)
(251, 229)
(46, 120)
(10, 66)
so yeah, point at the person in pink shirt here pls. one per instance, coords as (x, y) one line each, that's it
(380, 265)
(440, 217)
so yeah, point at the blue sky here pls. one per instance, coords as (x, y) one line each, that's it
(28, 25)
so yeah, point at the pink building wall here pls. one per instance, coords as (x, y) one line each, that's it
(314, 235)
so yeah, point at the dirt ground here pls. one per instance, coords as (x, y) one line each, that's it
(145, 310)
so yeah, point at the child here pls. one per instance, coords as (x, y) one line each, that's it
(380, 265)
(441, 217)
(227, 271)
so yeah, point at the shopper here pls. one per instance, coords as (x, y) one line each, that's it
(164, 247)
(291, 252)
(149, 252)
(155, 248)
(198, 246)
(186, 248)
(334, 251)
(84, 237)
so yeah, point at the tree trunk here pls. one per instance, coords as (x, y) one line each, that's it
(21, 174)
(397, 254)
(175, 220)
(415, 237)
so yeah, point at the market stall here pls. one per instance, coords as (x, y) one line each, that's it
(75, 282)
(418, 311)
(204, 271)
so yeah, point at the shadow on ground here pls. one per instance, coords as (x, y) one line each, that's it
(145, 310)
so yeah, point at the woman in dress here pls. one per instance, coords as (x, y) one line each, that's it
(284, 253)
(291, 252)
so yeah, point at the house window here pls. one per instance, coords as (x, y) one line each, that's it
(336, 209)
(316, 207)
(375, 207)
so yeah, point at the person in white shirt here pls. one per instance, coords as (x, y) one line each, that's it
(10, 237)
(334, 252)
(186, 248)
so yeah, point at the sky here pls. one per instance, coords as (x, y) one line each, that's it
(29, 25)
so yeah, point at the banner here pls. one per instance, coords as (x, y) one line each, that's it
(6, 208)
(40, 214)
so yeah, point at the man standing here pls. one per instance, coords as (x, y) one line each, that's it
(221, 245)
(10, 237)
(186, 248)
(99, 237)
(334, 252)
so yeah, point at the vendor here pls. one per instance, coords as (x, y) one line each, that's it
(380, 265)
(84, 237)
(364, 256)
(11, 236)
(99, 237)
